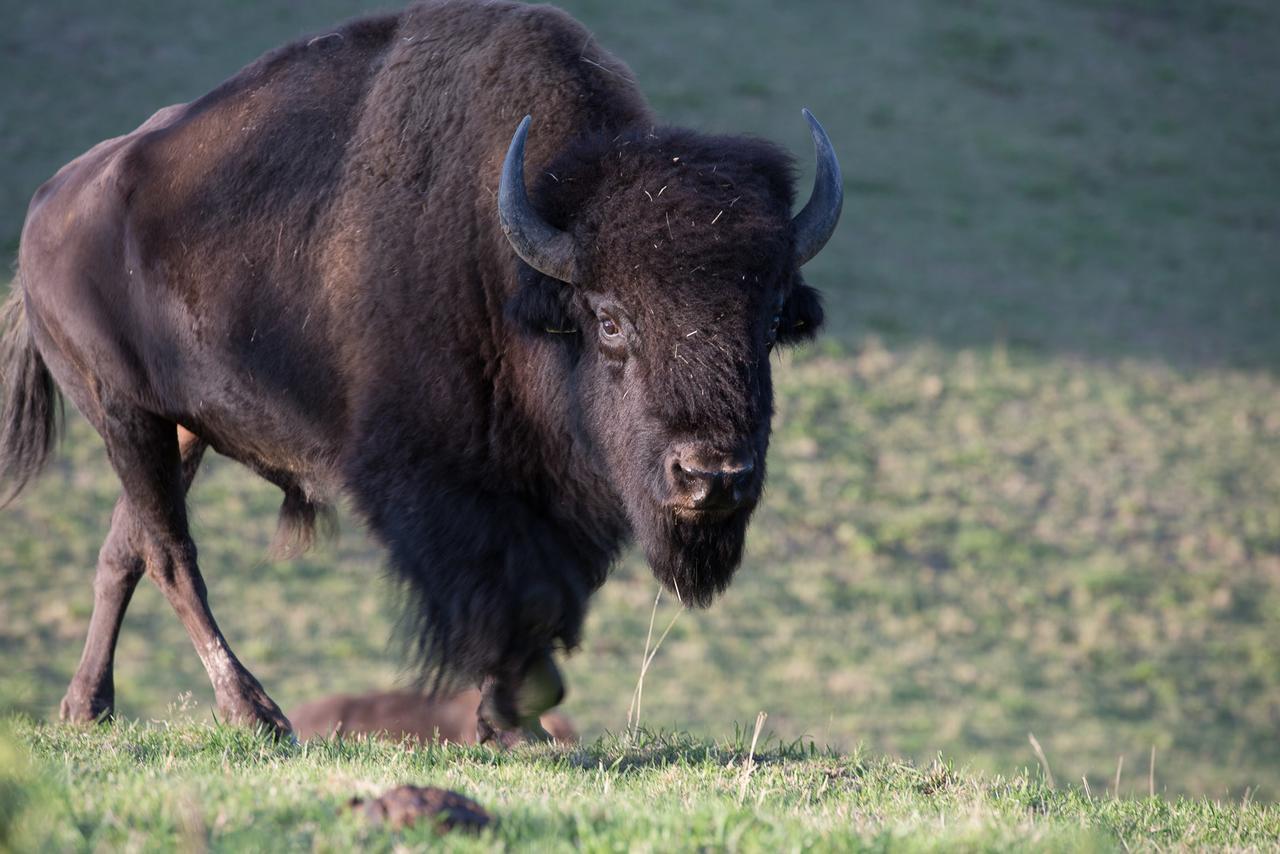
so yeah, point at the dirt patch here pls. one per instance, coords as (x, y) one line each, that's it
(403, 806)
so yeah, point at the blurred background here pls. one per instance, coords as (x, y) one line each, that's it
(1027, 482)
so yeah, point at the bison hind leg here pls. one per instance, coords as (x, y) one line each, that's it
(301, 518)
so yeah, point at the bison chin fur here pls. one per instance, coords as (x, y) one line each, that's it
(694, 560)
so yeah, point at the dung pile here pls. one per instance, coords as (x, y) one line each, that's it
(402, 807)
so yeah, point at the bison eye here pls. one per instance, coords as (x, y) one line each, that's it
(609, 327)
(774, 324)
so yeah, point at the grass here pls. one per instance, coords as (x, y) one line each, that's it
(1025, 484)
(136, 787)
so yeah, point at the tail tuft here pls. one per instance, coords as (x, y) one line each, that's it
(300, 516)
(30, 408)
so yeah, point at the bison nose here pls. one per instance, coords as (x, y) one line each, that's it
(706, 481)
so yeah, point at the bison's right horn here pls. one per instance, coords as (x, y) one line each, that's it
(546, 249)
(815, 224)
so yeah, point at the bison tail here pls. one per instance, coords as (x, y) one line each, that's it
(30, 408)
(300, 516)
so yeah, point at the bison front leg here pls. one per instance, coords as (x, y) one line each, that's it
(513, 701)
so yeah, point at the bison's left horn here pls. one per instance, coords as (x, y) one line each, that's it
(815, 224)
(543, 247)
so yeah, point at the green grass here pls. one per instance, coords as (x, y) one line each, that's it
(1027, 482)
(135, 787)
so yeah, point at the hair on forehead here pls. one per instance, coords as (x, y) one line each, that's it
(674, 203)
(677, 162)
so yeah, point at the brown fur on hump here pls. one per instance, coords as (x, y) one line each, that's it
(469, 72)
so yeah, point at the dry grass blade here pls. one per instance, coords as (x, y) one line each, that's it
(1044, 760)
(750, 764)
(1151, 774)
(637, 692)
(637, 696)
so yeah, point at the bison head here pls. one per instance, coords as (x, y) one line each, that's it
(668, 262)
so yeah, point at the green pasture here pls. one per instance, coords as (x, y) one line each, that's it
(1028, 481)
(195, 787)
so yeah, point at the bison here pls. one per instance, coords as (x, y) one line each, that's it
(332, 269)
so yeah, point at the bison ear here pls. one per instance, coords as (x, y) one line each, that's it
(801, 315)
(541, 305)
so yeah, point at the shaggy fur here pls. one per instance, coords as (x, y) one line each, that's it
(305, 269)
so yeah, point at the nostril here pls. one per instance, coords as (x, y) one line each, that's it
(708, 480)
(683, 472)
(698, 489)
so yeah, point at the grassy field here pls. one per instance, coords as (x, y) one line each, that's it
(196, 787)
(1027, 483)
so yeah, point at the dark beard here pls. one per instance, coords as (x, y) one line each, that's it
(694, 559)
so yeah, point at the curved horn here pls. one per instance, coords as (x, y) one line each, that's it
(546, 249)
(815, 224)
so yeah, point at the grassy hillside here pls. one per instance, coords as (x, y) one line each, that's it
(1027, 483)
(195, 787)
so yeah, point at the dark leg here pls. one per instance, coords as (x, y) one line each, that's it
(121, 563)
(241, 699)
(526, 682)
(512, 701)
(145, 452)
(91, 694)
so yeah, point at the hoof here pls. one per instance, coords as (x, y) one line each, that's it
(510, 714)
(257, 711)
(529, 732)
(542, 689)
(82, 708)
